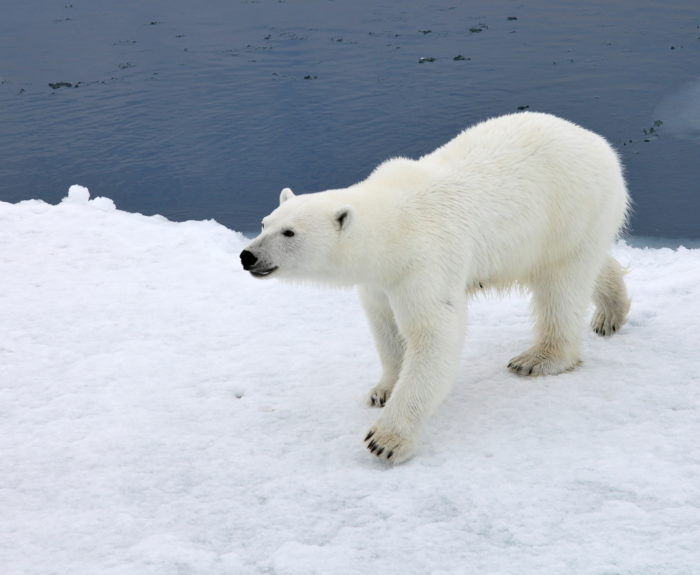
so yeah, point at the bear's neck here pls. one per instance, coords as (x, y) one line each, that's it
(370, 239)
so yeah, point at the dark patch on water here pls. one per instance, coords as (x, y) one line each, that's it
(57, 85)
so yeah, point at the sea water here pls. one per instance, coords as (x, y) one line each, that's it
(206, 110)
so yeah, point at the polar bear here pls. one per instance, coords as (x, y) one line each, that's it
(526, 199)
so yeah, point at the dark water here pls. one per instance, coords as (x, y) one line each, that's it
(207, 109)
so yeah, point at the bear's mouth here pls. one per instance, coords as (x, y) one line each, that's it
(262, 273)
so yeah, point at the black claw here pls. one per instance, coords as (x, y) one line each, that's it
(510, 365)
(370, 434)
(372, 445)
(379, 451)
(388, 455)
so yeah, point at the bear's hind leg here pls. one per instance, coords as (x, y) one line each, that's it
(610, 298)
(387, 340)
(560, 297)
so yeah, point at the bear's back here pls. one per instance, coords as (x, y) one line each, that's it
(514, 187)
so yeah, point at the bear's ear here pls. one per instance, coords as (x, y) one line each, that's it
(285, 195)
(343, 217)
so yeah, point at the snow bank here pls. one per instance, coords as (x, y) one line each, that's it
(161, 412)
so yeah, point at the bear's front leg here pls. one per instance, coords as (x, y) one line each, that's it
(387, 340)
(432, 329)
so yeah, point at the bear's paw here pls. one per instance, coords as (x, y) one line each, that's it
(607, 322)
(388, 445)
(535, 362)
(379, 395)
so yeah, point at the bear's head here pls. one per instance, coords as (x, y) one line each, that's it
(301, 239)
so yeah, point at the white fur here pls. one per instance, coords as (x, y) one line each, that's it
(526, 199)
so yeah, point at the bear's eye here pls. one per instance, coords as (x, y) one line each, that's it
(288, 233)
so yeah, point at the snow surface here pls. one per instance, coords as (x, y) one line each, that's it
(161, 412)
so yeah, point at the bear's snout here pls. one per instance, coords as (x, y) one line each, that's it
(248, 259)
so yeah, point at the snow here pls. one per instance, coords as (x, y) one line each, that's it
(161, 412)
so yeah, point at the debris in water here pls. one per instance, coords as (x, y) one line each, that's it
(423, 60)
(459, 57)
(652, 130)
(57, 85)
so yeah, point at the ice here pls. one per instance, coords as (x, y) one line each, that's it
(77, 194)
(162, 412)
(104, 204)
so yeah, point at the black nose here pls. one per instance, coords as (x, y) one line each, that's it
(248, 259)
